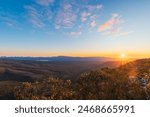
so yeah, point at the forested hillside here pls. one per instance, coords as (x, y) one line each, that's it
(130, 81)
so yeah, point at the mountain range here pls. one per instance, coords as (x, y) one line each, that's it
(59, 58)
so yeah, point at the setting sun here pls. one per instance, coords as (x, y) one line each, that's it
(123, 55)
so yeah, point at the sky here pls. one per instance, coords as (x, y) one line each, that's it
(75, 28)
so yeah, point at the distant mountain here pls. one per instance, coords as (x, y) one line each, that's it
(60, 58)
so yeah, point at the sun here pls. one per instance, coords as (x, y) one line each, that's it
(123, 55)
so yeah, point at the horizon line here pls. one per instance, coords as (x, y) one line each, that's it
(75, 57)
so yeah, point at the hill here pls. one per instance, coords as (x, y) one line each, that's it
(29, 70)
(76, 80)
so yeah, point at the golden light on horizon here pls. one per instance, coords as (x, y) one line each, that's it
(123, 55)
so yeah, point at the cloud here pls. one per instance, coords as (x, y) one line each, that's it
(68, 15)
(124, 33)
(90, 12)
(112, 31)
(99, 6)
(43, 17)
(94, 7)
(93, 17)
(84, 16)
(65, 17)
(44, 2)
(9, 20)
(36, 22)
(111, 24)
(117, 33)
(48, 14)
(113, 27)
(75, 34)
(34, 17)
(93, 23)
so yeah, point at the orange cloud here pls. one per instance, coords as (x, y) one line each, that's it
(111, 23)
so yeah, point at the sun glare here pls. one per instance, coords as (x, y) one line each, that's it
(123, 55)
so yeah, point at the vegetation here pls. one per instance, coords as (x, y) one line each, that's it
(103, 84)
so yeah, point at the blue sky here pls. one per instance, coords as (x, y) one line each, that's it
(74, 27)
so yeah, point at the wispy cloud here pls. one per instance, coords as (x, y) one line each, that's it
(124, 33)
(113, 27)
(84, 16)
(99, 6)
(75, 34)
(93, 23)
(111, 24)
(94, 7)
(65, 17)
(9, 20)
(44, 2)
(118, 32)
(90, 12)
(34, 17)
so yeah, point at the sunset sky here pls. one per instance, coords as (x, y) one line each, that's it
(75, 28)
